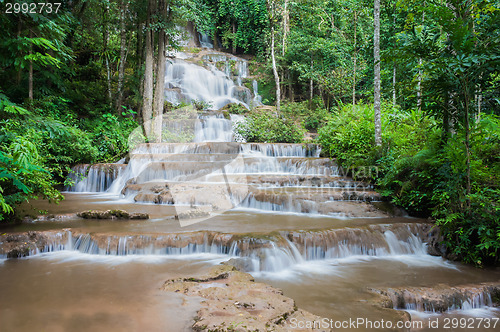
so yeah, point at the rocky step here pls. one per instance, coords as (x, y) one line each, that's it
(316, 194)
(221, 157)
(441, 298)
(186, 170)
(224, 196)
(287, 180)
(252, 251)
(268, 149)
(190, 148)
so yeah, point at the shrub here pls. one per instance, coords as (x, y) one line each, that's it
(269, 127)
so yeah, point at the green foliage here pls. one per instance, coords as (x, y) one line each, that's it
(22, 177)
(265, 126)
(109, 134)
(427, 177)
(240, 23)
(235, 108)
(348, 135)
(311, 117)
(37, 150)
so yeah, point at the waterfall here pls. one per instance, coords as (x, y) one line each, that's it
(205, 40)
(441, 299)
(272, 253)
(257, 99)
(188, 82)
(94, 178)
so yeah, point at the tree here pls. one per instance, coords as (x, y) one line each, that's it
(147, 98)
(123, 53)
(376, 80)
(273, 19)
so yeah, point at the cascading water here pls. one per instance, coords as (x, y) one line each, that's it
(188, 82)
(217, 172)
(271, 254)
(94, 178)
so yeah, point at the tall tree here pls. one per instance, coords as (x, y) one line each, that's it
(147, 98)
(376, 80)
(159, 93)
(123, 53)
(273, 19)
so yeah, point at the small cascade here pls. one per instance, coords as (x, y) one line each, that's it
(270, 253)
(213, 129)
(94, 178)
(205, 40)
(257, 99)
(187, 82)
(213, 171)
(216, 84)
(442, 298)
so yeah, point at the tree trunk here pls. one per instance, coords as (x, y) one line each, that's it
(30, 78)
(376, 80)
(275, 72)
(159, 94)
(123, 55)
(446, 117)
(394, 85)
(106, 55)
(467, 147)
(19, 29)
(479, 101)
(216, 40)
(193, 31)
(234, 38)
(147, 99)
(355, 59)
(419, 85)
(311, 84)
(285, 27)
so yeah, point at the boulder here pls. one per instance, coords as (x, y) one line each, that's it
(233, 301)
(111, 214)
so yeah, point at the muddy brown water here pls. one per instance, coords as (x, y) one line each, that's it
(72, 291)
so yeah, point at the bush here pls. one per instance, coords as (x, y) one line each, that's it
(312, 115)
(269, 127)
(349, 135)
(433, 182)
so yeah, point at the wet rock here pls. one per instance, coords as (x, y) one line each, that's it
(435, 245)
(243, 264)
(232, 301)
(164, 198)
(191, 213)
(111, 214)
(22, 244)
(145, 198)
(440, 298)
(139, 215)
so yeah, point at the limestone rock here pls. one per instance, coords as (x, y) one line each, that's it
(111, 214)
(232, 301)
(439, 298)
(22, 244)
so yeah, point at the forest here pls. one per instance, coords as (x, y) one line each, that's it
(409, 88)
